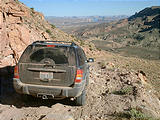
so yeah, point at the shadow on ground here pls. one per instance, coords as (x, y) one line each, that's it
(8, 95)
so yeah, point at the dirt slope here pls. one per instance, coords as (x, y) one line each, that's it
(112, 94)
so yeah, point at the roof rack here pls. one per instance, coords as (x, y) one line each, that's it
(72, 43)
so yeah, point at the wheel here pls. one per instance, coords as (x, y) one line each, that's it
(80, 100)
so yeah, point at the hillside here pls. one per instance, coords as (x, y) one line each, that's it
(20, 26)
(139, 30)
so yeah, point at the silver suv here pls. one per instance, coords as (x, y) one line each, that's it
(53, 70)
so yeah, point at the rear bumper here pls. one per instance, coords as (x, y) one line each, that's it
(56, 91)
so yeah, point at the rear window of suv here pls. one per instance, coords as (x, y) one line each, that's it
(60, 55)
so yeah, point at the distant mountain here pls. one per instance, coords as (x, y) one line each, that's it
(149, 11)
(68, 24)
(72, 19)
(141, 29)
(150, 17)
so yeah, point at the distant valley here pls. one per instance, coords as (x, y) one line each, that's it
(119, 34)
(138, 35)
(70, 24)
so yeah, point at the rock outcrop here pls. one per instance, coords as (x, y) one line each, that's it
(140, 30)
(20, 26)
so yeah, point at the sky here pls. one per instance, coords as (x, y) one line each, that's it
(62, 8)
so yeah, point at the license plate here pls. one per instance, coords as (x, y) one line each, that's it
(46, 75)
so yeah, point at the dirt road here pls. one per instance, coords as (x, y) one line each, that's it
(111, 94)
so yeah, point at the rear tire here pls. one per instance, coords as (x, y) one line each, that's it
(81, 100)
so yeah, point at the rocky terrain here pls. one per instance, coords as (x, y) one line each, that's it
(115, 91)
(135, 37)
(20, 26)
(139, 30)
(112, 94)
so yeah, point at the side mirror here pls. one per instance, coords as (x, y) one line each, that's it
(90, 60)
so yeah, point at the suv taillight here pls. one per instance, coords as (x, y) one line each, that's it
(79, 76)
(51, 46)
(16, 73)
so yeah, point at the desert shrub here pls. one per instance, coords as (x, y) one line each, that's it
(32, 8)
(17, 1)
(138, 37)
(82, 43)
(124, 91)
(49, 31)
(53, 37)
(99, 49)
(53, 26)
(133, 114)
